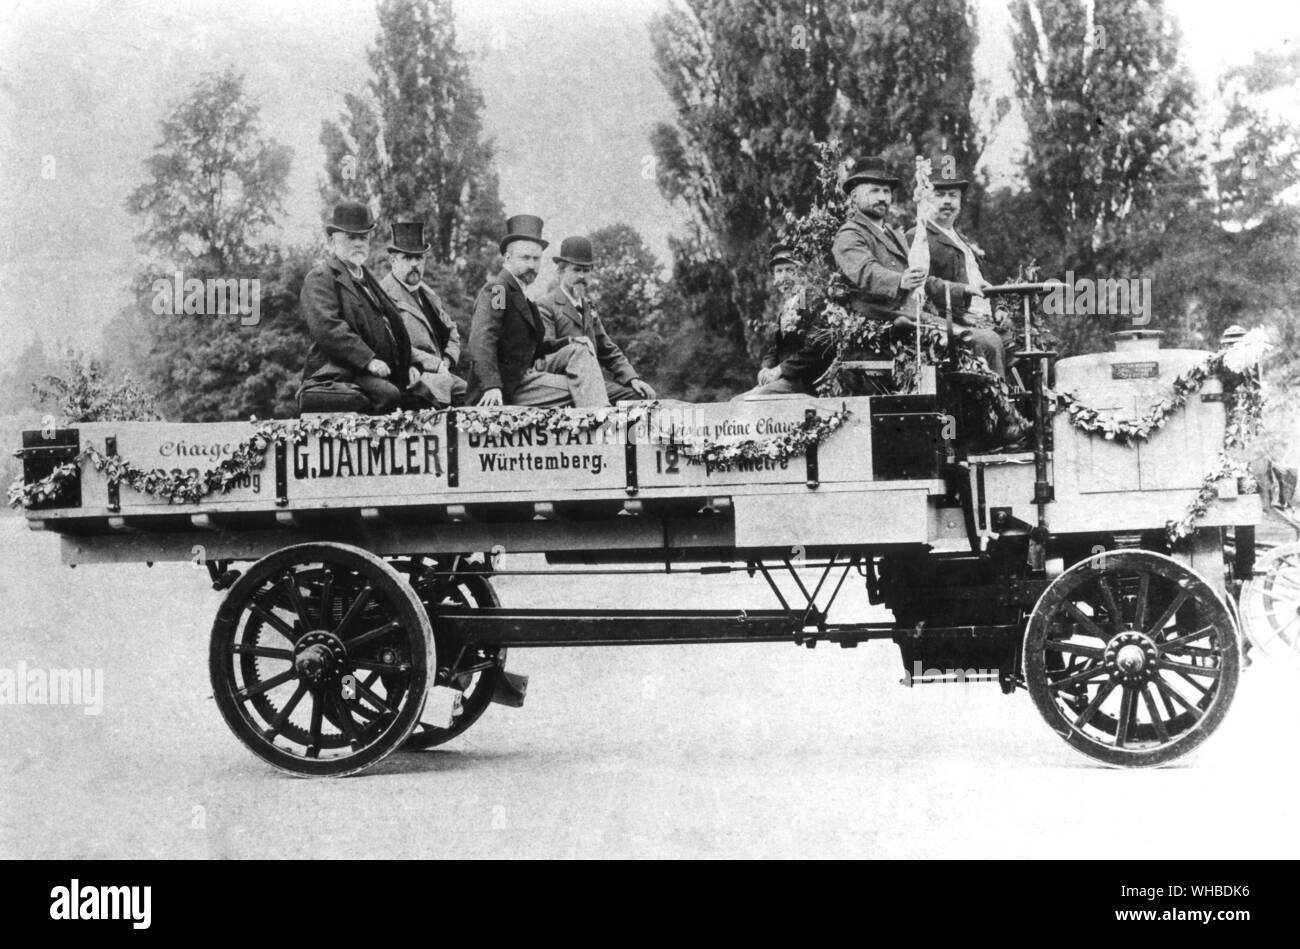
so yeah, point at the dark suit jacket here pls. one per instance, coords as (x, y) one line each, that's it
(797, 359)
(563, 320)
(947, 267)
(348, 329)
(506, 336)
(873, 259)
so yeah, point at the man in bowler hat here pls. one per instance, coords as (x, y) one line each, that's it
(568, 312)
(513, 361)
(435, 341)
(360, 354)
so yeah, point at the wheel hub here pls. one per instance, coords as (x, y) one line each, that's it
(318, 656)
(1130, 655)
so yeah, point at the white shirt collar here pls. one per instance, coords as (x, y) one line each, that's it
(580, 304)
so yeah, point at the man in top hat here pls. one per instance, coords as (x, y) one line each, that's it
(568, 312)
(956, 275)
(791, 365)
(435, 341)
(507, 337)
(872, 254)
(360, 354)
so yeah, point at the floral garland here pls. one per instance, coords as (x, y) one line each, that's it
(1226, 468)
(176, 487)
(724, 456)
(250, 455)
(1235, 363)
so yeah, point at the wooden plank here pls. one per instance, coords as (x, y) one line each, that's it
(815, 519)
(617, 533)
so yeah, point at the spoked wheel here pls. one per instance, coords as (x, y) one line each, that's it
(1131, 657)
(473, 671)
(319, 659)
(1270, 605)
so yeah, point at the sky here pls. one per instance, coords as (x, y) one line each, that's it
(569, 86)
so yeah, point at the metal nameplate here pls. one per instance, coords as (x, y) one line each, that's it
(1135, 370)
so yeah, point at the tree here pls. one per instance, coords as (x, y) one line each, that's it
(414, 149)
(1230, 258)
(628, 292)
(81, 393)
(756, 88)
(704, 359)
(30, 366)
(212, 191)
(1110, 112)
(214, 183)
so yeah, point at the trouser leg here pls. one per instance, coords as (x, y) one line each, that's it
(383, 395)
(988, 344)
(542, 388)
(779, 386)
(618, 392)
(580, 367)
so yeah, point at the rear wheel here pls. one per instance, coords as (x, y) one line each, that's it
(319, 659)
(474, 671)
(1131, 657)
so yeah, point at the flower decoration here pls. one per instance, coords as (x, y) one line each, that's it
(250, 455)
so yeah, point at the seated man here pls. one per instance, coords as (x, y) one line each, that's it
(791, 365)
(956, 275)
(872, 254)
(568, 312)
(507, 337)
(360, 354)
(435, 341)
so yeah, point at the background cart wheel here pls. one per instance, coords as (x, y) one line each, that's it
(1131, 657)
(319, 659)
(473, 671)
(1270, 605)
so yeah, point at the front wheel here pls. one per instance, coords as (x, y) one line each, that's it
(320, 658)
(1131, 658)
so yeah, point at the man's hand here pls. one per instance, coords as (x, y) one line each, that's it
(377, 367)
(913, 277)
(413, 375)
(491, 397)
(977, 291)
(768, 375)
(642, 388)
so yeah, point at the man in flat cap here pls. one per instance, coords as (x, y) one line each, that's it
(360, 354)
(956, 275)
(507, 337)
(568, 312)
(872, 254)
(435, 340)
(791, 364)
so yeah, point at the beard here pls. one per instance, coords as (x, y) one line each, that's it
(412, 278)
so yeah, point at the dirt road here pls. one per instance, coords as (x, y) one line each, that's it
(758, 751)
